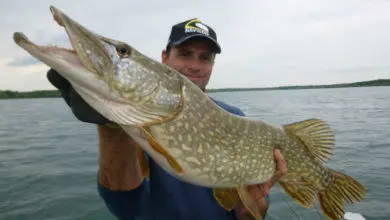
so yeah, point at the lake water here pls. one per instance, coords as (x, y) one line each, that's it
(48, 159)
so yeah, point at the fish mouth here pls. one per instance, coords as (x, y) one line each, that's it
(87, 65)
(68, 55)
(88, 49)
(99, 70)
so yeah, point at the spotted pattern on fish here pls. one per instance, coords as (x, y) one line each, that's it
(210, 143)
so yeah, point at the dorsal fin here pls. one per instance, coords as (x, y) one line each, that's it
(316, 135)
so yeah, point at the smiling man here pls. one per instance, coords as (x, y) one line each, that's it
(191, 49)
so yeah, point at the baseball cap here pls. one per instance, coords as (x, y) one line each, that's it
(192, 28)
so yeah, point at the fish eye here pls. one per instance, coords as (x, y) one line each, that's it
(123, 50)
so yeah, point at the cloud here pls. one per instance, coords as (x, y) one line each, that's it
(264, 43)
(23, 61)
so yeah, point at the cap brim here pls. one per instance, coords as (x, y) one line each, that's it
(178, 42)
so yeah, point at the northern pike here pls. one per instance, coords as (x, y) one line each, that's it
(190, 136)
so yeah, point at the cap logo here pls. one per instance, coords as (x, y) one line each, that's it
(195, 25)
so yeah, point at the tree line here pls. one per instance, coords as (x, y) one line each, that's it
(9, 94)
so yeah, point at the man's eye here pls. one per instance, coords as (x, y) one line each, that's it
(207, 58)
(184, 54)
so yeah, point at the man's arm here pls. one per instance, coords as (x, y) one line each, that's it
(120, 180)
(119, 168)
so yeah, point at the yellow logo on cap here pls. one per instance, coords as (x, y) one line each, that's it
(195, 25)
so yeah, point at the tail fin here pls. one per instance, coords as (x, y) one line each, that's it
(342, 189)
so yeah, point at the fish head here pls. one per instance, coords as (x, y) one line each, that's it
(113, 77)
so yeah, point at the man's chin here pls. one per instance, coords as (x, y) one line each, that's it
(199, 81)
(199, 84)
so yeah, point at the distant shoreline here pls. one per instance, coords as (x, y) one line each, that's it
(377, 82)
(9, 94)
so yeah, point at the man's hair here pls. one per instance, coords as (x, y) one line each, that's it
(168, 48)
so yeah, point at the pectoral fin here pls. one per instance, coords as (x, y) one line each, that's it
(160, 149)
(143, 163)
(249, 202)
(227, 198)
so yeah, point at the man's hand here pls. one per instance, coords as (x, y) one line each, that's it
(260, 191)
(119, 167)
(82, 110)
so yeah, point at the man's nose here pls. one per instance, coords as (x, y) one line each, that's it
(194, 65)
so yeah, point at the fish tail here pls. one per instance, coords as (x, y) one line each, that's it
(342, 189)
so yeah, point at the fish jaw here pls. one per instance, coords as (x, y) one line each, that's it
(119, 82)
(66, 62)
(96, 55)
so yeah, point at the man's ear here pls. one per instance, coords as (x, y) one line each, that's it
(164, 56)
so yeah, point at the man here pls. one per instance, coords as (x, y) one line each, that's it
(191, 50)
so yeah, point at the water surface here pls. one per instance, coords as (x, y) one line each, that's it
(49, 160)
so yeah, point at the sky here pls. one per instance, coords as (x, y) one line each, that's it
(264, 43)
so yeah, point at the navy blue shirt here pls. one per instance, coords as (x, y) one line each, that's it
(162, 196)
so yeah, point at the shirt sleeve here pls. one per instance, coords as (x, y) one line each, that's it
(125, 204)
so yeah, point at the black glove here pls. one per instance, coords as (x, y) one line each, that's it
(82, 110)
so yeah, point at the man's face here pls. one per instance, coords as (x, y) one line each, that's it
(194, 59)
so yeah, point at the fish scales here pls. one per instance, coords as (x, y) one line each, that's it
(225, 159)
